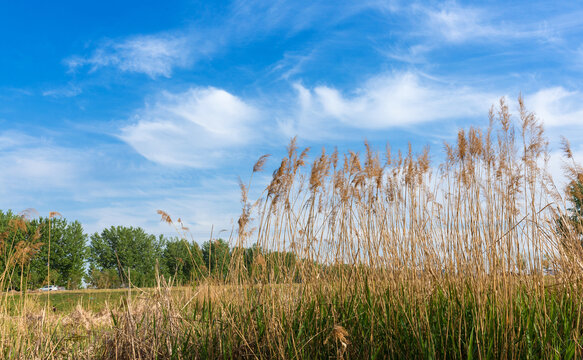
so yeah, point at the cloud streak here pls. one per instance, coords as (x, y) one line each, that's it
(159, 54)
(383, 102)
(154, 55)
(456, 24)
(196, 128)
(558, 107)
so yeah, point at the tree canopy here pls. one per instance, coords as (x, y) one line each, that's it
(183, 261)
(130, 251)
(217, 256)
(68, 253)
(24, 254)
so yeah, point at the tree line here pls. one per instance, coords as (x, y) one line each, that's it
(54, 250)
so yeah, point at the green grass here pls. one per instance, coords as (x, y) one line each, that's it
(92, 300)
(63, 302)
(447, 323)
(390, 263)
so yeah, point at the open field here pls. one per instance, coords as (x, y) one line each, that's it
(359, 258)
(63, 302)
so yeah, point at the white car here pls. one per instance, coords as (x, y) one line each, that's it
(49, 288)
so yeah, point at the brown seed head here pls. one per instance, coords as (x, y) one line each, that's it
(461, 144)
(566, 147)
(260, 163)
(165, 217)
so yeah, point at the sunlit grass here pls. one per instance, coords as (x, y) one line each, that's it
(373, 256)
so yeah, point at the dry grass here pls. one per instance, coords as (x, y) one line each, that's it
(393, 257)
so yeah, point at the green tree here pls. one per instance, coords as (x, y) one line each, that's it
(68, 253)
(19, 243)
(182, 260)
(102, 279)
(217, 257)
(130, 251)
(575, 192)
(571, 225)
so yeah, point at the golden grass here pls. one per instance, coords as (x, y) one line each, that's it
(391, 256)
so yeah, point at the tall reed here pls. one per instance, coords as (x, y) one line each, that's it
(470, 254)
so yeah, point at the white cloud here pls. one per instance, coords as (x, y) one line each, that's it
(211, 205)
(66, 91)
(455, 23)
(154, 55)
(557, 106)
(195, 128)
(34, 170)
(557, 164)
(385, 101)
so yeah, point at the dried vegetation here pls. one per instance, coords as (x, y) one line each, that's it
(393, 257)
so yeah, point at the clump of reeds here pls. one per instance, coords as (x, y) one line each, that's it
(472, 254)
(358, 257)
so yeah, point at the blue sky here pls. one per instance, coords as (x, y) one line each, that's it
(112, 110)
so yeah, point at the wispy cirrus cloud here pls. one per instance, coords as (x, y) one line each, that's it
(70, 90)
(33, 168)
(457, 23)
(196, 128)
(154, 55)
(159, 54)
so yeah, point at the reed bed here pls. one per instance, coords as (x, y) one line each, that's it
(374, 256)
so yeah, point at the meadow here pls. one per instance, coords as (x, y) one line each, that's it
(395, 256)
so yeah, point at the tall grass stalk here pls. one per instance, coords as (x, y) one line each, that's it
(376, 256)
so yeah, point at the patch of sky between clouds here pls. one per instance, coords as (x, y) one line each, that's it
(211, 204)
(69, 90)
(35, 173)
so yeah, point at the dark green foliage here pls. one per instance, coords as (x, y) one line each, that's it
(24, 251)
(575, 220)
(102, 279)
(217, 257)
(131, 252)
(68, 253)
(183, 261)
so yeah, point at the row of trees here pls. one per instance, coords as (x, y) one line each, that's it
(120, 255)
(36, 252)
